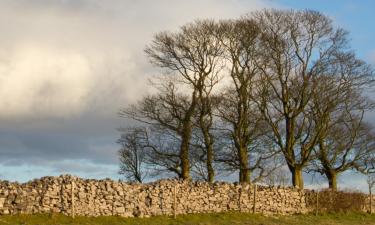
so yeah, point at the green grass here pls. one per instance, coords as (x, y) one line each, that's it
(201, 219)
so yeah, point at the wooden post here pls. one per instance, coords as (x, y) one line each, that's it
(175, 201)
(254, 197)
(370, 202)
(73, 199)
(239, 198)
(62, 195)
(113, 206)
(161, 202)
(317, 203)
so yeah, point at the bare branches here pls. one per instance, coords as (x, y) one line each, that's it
(238, 94)
(132, 155)
(300, 49)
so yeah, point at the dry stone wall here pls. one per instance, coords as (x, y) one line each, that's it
(72, 195)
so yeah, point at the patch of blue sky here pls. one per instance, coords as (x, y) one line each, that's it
(357, 17)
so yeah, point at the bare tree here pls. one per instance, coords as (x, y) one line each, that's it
(204, 121)
(344, 148)
(237, 109)
(190, 56)
(290, 84)
(149, 151)
(162, 147)
(279, 177)
(204, 135)
(337, 107)
(132, 154)
(296, 47)
(163, 114)
(263, 158)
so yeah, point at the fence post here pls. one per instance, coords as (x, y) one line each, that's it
(113, 206)
(174, 201)
(161, 201)
(62, 209)
(317, 203)
(72, 192)
(239, 198)
(254, 198)
(370, 202)
(72, 198)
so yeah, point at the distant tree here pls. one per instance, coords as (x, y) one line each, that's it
(161, 147)
(148, 151)
(279, 177)
(132, 154)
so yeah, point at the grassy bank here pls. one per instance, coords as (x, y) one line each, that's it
(202, 219)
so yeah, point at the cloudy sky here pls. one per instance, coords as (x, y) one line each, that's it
(68, 66)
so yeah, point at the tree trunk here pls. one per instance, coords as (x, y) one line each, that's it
(210, 169)
(332, 179)
(244, 165)
(297, 178)
(208, 142)
(185, 138)
(184, 154)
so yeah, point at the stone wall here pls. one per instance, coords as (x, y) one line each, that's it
(107, 197)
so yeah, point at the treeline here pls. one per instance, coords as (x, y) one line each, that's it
(273, 88)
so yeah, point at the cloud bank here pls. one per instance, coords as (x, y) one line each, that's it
(68, 66)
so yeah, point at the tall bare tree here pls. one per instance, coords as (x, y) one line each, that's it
(237, 109)
(345, 141)
(191, 60)
(296, 47)
(204, 135)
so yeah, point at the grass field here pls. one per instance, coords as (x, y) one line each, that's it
(201, 219)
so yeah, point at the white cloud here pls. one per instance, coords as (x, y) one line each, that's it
(63, 58)
(43, 81)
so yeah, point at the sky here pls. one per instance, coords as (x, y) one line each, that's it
(68, 66)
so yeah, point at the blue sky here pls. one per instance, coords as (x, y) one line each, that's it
(68, 66)
(357, 17)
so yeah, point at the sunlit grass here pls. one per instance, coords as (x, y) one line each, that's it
(201, 219)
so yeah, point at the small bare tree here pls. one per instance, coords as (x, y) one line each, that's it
(132, 154)
(279, 177)
(149, 151)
